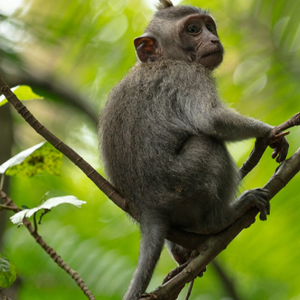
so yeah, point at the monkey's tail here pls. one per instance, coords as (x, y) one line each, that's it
(151, 245)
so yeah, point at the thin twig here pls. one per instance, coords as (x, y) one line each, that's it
(293, 121)
(6, 207)
(50, 251)
(2, 181)
(191, 284)
(35, 226)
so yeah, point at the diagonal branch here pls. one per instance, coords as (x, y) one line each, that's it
(90, 172)
(215, 244)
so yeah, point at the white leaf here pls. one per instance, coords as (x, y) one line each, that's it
(18, 217)
(48, 204)
(17, 159)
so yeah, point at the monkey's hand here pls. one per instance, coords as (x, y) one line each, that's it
(260, 198)
(279, 143)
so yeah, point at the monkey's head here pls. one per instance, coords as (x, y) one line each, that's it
(184, 33)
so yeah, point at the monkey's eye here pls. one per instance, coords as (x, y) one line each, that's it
(210, 28)
(193, 29)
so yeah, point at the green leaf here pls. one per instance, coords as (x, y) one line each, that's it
(19, 158)
(48, 204)
(8, 273)
(23, 92)
(42, 158)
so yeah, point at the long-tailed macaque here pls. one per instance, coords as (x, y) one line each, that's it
(163, 133)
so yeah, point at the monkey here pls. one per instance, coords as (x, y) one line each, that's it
(163, 134)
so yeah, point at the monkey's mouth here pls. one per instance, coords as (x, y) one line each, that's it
(211, 59)
(218, 52)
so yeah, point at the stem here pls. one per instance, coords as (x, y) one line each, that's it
(9, 204)
(2, 181)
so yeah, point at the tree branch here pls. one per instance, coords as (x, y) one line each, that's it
(90, 172)
(2, 296)
(215, 244)
(261, 144)
(9, 204)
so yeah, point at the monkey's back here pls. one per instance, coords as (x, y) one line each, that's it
(153, 140)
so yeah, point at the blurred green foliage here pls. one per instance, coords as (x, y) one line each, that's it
(88, 45)
(8, 273)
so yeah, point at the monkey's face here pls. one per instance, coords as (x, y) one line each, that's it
(191, 38)
(200, 41)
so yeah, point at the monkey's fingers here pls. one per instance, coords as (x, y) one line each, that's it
(264, 209)
(277, 153)
(274, 140)
(262, 202)
(281, 150)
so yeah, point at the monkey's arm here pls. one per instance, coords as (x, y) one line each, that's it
(228, 125)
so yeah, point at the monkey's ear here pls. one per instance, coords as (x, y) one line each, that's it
(147, 48)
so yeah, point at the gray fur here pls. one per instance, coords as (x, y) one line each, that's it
(164, 150)
(163, 133)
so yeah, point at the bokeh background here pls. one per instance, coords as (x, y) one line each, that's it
(72, 53)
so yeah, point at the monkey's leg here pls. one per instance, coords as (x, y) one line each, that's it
(217, 221)
(182, 256)
(219, 213)
(150, 248)
(179, 253)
